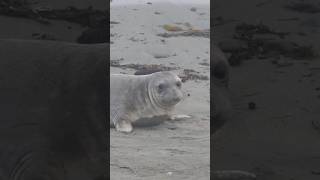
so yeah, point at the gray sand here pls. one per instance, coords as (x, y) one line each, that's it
(173, 149)
(277, 140)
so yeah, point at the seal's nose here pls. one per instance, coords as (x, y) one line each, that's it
(177, 98)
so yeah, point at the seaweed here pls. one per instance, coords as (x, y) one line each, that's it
(303, 7)
(263, 42)
(85, 17)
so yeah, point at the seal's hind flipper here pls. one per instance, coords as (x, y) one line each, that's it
(115, 113)
(118, 118)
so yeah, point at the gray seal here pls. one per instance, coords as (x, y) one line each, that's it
(52, 110)
(220, 88)
(142, 96)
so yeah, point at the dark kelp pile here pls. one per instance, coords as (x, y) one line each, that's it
(95, 20)
(259, 41)
(142, 69)
(88, 17)
(303, 7)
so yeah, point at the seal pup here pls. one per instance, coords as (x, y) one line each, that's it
(53, 97)
(142, 96)
(220, 88)
(222, 107)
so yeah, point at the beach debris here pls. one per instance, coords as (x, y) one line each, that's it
(244, 30)
(142, 69)
(315, 172)
(172, 28)
(15, 3)
(281, 62)
(193, 9)
(124, 167)
(160, 56)
(307, 74)
(134, 39)
(259, 41)
(189, 26)
(252, 105)
(114, 22)
(116, 62)
(190, 74)
(85, 17)
(189, 33)
(149, 69)
(303, 7)
(204, 63)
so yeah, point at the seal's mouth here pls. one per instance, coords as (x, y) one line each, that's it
(171, 102)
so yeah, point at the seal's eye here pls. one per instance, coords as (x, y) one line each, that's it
(161, 87)
(178, 84)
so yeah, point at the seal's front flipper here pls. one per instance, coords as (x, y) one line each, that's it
(119, 119)
(179, 117)
(123, 126)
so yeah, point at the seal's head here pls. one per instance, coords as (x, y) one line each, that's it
(220, 91)
(165, 89)
(220, 71)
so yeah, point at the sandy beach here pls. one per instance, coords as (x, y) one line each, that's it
(172, 149)
(278, 138)
(270, 46)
